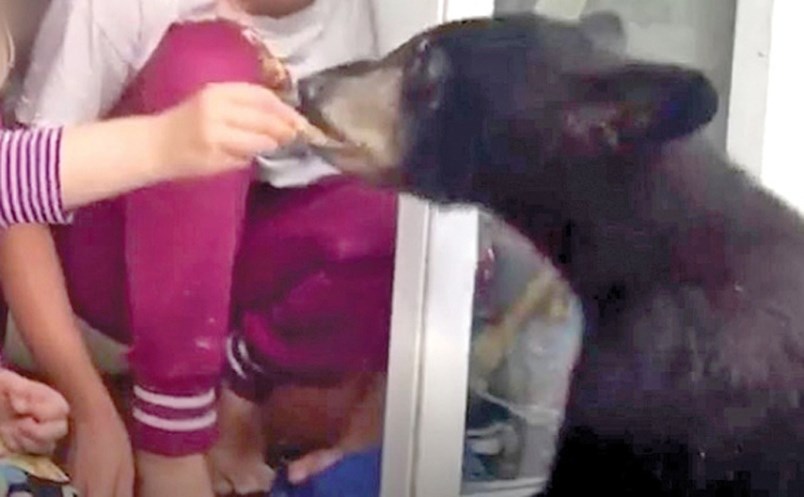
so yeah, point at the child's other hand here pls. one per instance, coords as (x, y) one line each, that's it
(222, 127)
(33, 416)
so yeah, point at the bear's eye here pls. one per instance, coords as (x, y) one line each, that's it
(426, 93)
(426, 75)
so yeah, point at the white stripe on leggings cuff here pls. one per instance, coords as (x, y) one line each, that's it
(243, 349)
(233, 362)
(176, 425)
(175, 401)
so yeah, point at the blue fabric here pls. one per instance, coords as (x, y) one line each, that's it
(357, 475)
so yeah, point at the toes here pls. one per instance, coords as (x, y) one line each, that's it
(257, 479)
(220, 485)
(243, 479)
(312, 464)
(265, 477)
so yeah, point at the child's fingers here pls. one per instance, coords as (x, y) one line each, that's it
(11, 383)
(50, 406)
(222, 486)
(8, 434)
(35, 446)
(243, 146)
(251, 95)
(41, 402)
(24, 437)
(49, 430)
(17, 392)
(253, 120)
(39, 437)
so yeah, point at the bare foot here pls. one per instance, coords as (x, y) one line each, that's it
(237, 461)
(161, 476)
(312, 464)
(363, 430)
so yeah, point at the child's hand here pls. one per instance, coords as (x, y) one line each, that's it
(33, 416)
(222, 127)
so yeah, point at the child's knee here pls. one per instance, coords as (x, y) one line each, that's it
(192, 55)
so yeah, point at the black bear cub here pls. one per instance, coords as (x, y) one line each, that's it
(691, 275)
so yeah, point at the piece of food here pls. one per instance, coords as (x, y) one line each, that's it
(277, 77)
(275, 74)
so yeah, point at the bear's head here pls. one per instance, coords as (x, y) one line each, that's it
(471, 108)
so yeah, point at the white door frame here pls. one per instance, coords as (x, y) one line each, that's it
(432, 309)
(767, 104)
(782, 158)
(749, 84)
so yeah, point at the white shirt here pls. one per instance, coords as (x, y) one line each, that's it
(87, 51)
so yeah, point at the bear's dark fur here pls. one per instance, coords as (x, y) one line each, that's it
(692, 276)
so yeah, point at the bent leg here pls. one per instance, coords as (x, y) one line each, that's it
(180, 245)
(314, 282)
(312, 313)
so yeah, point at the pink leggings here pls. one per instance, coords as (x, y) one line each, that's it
(167, 269)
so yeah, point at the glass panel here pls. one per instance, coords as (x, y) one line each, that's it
(526, 325)
(526, 335)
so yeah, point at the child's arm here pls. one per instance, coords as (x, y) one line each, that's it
(222, 127)
(42, 172)
(34, 288)
(29, 168)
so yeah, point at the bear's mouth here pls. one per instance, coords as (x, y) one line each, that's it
(348, 156)
(319, 135)
(324, 139)
(353, 134)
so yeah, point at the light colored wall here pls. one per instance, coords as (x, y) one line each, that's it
(694, 32)
(782, 162)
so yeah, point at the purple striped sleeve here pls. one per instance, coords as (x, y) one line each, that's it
(30, 182)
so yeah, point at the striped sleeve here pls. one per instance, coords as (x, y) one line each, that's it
(30, 188)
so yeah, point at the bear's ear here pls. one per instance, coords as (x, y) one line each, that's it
(604, 29)
(635, 105)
